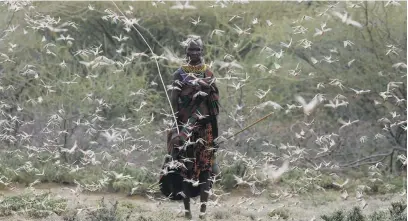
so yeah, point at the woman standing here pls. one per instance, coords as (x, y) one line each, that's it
(196, 106)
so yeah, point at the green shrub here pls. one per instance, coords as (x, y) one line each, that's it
(378, 216)
(336, 216)
(355, 215)
(110, 212)
(228, 181)
(397, 212)
(34, 205)
(281, 212)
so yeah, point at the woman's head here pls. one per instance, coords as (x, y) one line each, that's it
(194, 50)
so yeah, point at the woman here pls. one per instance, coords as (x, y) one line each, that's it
(196, 106)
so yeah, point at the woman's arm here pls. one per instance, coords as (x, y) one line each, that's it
(175, 93)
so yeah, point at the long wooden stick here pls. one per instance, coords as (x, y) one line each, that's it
(245, 128)
(157, 65)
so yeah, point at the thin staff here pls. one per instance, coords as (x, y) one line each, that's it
(157, 65)
(247, 127)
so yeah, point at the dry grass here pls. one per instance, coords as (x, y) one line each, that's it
(32, 205)
(120, 207)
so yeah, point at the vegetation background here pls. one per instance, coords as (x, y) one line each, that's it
(82, 101)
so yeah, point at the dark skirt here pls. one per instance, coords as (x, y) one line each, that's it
(171, 184)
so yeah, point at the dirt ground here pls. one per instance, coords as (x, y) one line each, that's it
(237, 206)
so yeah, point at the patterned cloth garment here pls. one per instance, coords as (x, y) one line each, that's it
(197, 112)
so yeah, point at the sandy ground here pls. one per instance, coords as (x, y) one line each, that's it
(239, 205)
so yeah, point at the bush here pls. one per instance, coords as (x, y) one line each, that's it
(34, 205)
(397, 212)
(355, 215)
(336, 216)
(110, 213)
(280, 212)
(378, 216)
(228, 180)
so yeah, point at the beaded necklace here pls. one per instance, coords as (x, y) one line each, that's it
(198, 70)
(194, 69)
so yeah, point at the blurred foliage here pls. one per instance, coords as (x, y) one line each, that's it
(282, 213)
(109, 212)
(227, 174)
(33, 205)
(395, 213)
(54, 98)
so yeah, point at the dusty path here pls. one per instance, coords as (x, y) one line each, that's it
(237, 206)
